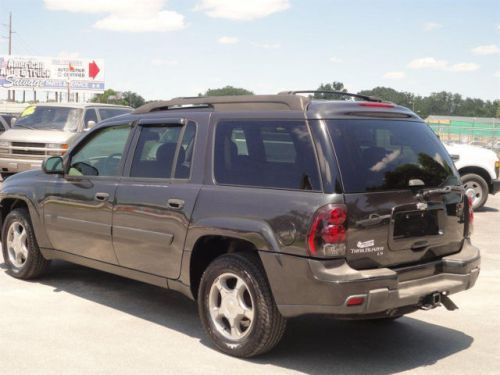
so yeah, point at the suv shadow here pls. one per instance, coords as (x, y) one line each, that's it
(325, 345)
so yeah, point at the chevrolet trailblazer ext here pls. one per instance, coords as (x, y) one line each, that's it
(259, 207)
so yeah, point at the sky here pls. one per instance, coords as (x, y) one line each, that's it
(162, 49)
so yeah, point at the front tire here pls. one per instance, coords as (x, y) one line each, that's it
(19, 247)
(476, 187)
(236, 307)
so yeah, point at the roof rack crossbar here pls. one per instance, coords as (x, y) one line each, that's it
(342, 93)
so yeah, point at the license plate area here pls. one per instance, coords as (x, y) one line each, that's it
(411, 224)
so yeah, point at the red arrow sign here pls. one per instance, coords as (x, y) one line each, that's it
(93, 70)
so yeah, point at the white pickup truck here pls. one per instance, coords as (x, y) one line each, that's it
(479, 169)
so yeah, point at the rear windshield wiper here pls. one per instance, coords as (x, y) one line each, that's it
(23, 126)
(448, 189)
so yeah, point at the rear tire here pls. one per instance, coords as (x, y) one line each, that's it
(19, 247)
(477, 187)
(236, 307)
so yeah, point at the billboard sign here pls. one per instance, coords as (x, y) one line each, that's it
(51, 73)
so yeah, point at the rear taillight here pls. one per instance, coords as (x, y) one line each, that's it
(471, 214)
(327, 234)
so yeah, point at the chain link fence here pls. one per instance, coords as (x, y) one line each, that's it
(484, 132)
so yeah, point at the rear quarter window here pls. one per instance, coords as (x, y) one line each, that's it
(272, 154)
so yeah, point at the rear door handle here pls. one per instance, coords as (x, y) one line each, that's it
(176, 204)
(101, 197)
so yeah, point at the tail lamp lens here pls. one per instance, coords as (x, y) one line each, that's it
(327, 235)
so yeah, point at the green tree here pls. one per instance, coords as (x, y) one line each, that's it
(111, 96)
(406, 99)
(133, 99)
(437, 103)
(226, 91)
(334, 86)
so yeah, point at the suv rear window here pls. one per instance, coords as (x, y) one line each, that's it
(277, 154)
(379, 155)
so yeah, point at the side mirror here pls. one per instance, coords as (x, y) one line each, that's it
(13, 121)
(90, 124)
(53, 165)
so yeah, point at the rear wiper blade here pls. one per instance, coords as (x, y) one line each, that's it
(448, 189)
(23, 126)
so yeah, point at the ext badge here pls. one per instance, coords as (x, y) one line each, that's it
(367, 247)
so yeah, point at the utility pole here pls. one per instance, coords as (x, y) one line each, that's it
(10, 33)
(10, 94)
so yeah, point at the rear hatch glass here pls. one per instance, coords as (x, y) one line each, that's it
(382, 155)
(394, 173)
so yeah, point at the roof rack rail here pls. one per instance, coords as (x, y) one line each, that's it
(230, 103)
(342, 93)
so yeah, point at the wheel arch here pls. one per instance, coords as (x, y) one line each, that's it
(476, 170)
(207, 241)
(12, 202)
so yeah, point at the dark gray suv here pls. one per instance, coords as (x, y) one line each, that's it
(260, 208)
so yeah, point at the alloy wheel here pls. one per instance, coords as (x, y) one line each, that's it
(231, 306)
(17, 244)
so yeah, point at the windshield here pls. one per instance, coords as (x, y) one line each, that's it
(112, 112)
(379, 155)
(47, 118)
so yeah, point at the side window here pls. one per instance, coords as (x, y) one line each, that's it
(155, 151)
(159, 147)
(238, 138)
(90, 115)
(276, 154)
(106, 113)
(102, 154)
(278, 145)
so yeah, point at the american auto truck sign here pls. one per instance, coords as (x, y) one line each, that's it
(51, 73)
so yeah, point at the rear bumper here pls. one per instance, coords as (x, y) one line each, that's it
(495, 186)
(307, 286)
(19, 165)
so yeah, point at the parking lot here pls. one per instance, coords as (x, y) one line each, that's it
(78, 321)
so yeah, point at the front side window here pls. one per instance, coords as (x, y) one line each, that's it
(90, 115)
(277, 154)
(102, 154)
(164, 151)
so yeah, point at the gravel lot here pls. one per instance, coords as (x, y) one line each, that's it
(80, 321)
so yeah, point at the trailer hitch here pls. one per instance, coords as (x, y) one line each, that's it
(437, 299)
